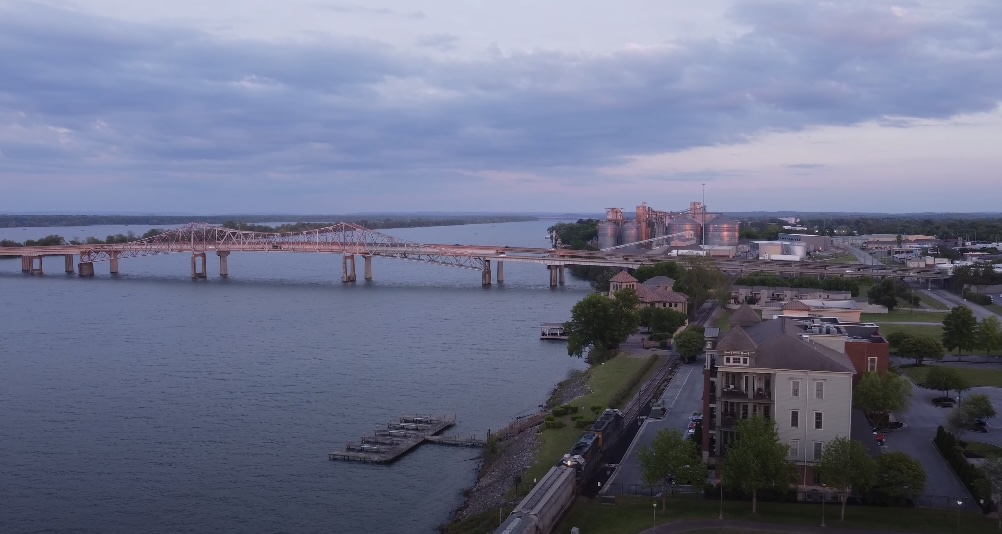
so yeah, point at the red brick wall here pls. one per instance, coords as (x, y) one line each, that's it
(860, 351)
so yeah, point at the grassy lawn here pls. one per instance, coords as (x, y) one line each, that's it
(634, 514)
(912, 329)
(995, 308)
(721, 320)
(932, 302)
(983, 449)
(975, 377)
(838, 259)
(905, 315)
(604, 381)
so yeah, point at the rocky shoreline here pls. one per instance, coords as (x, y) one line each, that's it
(499, 471)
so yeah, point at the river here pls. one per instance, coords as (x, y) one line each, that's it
(149, 402)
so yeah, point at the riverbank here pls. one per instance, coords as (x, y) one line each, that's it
(493, 495)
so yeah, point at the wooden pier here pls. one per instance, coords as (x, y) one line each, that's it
(399, 437)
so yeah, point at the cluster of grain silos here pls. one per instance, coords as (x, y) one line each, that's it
(685, 227)
(608, 234)
(721, 231)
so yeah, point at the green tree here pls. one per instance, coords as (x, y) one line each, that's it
(671, 459)
(662, 268)
(757, 460)
(988, 335)
(959, 327)
(945, 379)
(881, 395)
(884, 294)
(601, 323)
(897, 339)
(978, 406)
(991, 470)
(958, 422)
(900, 476)
(689, 343)
(921, 348)
(845, 466)
(665, 321)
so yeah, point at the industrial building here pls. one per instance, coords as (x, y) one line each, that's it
(694, 226)
(815, 243)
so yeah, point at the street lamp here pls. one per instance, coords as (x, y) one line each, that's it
(656, 515)
(960, 503)
(824, 494)
(721, 516)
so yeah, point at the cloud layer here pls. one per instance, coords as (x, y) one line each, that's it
(168, 112)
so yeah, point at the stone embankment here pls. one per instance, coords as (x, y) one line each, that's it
(499, 471)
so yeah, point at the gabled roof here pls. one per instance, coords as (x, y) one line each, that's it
(781, 347)
(796, 305)
(657, 294)
(623, 277)
(736, 340)
(660, 281)
(744, 316)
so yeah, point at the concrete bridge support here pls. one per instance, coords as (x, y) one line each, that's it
(368, 266)
(31, 264)
(553, 275)
(196, 258)
(113, 262)
(560, 274)
(224, 269)
(485, 275)
(85, 268)
(25, 264)
(500, 272)
(69, 263)
(348, 268)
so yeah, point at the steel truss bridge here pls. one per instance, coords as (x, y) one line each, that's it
(351, 240)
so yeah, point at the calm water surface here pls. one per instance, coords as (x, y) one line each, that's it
(148, 402)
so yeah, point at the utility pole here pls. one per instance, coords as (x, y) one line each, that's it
(702, 216)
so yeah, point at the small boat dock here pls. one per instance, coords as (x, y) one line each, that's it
(553, 331)
(400, 437)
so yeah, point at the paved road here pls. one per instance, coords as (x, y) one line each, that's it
(915, 440)
(754, 526)
(682, 397)
(952, 300)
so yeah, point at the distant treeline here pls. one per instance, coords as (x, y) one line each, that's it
(55, 240)
(377, 224)
(381, 221)
(827, 284)
(982, 228)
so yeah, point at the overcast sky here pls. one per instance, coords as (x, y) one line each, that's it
(317, 106)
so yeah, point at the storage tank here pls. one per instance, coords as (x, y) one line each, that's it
(630, 232)
(769, 248)
(684, 224)
(608, 234)
(798, 249)
(722, 231)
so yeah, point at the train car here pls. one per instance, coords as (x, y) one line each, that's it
(587, 447)
(607, 427)
(541, 509)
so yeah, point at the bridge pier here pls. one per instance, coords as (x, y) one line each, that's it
(86, 268)
(195, 272)
(553, 275)
(31, 264)
(500, 272)
(485, 276)
(224, 269)
(348, 274)
(113, 262)
(368, 266)
(25, 264)
(560, 274)
(68, 258)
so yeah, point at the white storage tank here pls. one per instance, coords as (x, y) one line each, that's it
(608, 234)
(630, 233)
(798, 249)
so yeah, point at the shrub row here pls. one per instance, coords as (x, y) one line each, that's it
(619, 398)
(552, 422)
(970, 475)
(565, 409)
(977, 298)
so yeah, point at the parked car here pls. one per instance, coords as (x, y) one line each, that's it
(696, 417)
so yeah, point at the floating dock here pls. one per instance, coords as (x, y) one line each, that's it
(400, 437)
(554, 331)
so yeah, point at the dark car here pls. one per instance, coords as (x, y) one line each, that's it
(980, 425)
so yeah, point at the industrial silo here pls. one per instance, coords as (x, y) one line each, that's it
(608, 234)
(798, 249)
(630, 232)
(722, 231)
(684, 225)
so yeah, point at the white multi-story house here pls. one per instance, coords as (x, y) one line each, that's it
(771, 369)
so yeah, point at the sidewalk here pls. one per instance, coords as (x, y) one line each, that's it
(755, 526)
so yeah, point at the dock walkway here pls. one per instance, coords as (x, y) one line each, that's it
(399, 437)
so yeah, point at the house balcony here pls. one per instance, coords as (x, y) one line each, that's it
(738, 394)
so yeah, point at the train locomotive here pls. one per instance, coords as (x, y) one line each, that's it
(540, 510)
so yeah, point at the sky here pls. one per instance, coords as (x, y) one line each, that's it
(317, 106)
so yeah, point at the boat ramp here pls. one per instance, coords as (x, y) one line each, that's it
(400, 437)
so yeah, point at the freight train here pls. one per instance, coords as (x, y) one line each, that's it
(540, 510)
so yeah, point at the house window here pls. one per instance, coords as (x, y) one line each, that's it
(818, 420)
(794, 418)
(819, 390)
(818, 446)
(795, 388)
(744, 361)
(871, 365)
(794, 448)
